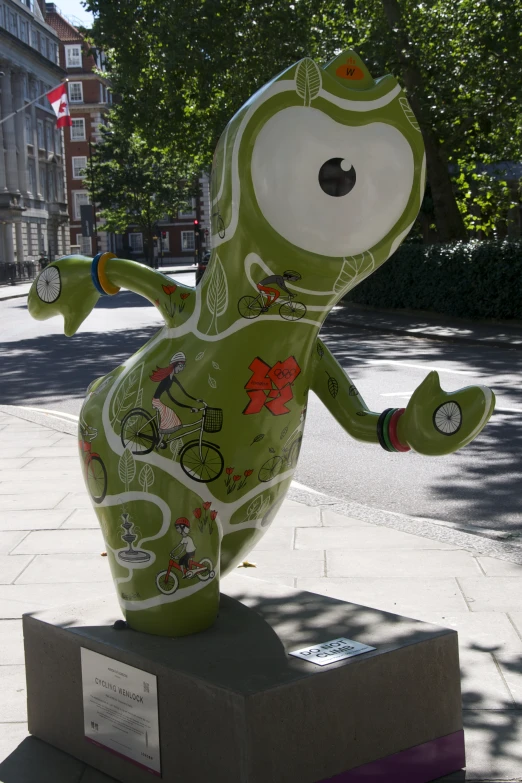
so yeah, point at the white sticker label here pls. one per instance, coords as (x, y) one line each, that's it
(331, 652)
(120, 709)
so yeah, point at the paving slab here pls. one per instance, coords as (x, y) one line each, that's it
(399, 562)
(492, 632)
(12, 566)
(31, 500)
(409, 596)
(55, 464)
(12, 644)
(81, 518)
(290, 564)
(56, 451)
(482, 683)
(10, 540)
(38, 519)
(493, 567)
(75, 500)
(64, 568)
(14, 694)
(53, 542)
(275, 539)
(488, 594)
(362, 537)
(510, 667)
(299, 515)
(331, 518)
(13, 463)
(19, 599)
(516, 619)
(11, 736)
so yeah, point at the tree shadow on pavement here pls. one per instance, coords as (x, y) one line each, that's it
(480, 481)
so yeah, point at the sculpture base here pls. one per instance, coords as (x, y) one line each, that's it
(235, 707)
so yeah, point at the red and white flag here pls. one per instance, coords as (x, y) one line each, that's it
(58, 100)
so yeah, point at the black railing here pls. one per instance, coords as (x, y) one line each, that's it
(11, 274)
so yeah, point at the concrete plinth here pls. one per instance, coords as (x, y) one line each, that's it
(235, 707)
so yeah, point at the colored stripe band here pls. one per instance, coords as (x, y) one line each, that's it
(94, 275)
(385, 428)
(380, 422)
(107, 286)
(392, 431)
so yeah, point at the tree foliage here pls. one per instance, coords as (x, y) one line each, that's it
(134, 184)
(186, 66)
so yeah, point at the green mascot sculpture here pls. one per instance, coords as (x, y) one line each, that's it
(190, 446)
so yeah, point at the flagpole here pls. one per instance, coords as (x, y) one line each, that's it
(4, 119)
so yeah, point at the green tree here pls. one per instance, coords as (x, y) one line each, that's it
(134, 184)
(190, 64)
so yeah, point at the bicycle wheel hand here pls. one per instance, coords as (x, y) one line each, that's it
(437, 422)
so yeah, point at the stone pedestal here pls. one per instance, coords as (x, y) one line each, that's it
(235, 707)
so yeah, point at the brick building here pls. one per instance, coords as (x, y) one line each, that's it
(89, 101)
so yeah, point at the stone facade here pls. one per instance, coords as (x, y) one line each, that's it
(33, 209)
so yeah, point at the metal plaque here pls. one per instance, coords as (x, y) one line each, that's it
(120, 709)
(331, 652)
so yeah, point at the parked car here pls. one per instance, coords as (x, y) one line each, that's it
(205, 258)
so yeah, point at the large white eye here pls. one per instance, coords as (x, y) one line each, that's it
(329, 188)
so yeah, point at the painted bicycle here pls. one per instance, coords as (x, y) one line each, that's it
(253, 306)
(167, 581)
(288, 459)
(200, 459)
(95, 471)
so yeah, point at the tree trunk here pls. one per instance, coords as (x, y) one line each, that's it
(450, 225)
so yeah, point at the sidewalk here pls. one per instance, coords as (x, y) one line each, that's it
(50, 546)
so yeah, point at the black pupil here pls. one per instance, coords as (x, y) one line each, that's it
(334, 180)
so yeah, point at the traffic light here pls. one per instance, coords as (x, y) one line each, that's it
(164, 234)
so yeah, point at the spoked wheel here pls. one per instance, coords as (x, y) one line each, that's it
(250, 306)
(203, 464)
(209, 573)
(96, 479)
(167, 585)
(293, 453)
(139, 432)
(448, 418)
(292, 311)
(270, 469)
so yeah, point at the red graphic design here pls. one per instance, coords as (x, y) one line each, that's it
(271, 387)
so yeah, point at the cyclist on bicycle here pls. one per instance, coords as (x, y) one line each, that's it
(169, 420)
(272, 294)
(186, 561)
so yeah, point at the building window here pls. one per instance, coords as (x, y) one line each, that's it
(79, 165)
(57, 141)
(80, 197)
(43, 181)
(187, 240)
(34, 38)
(85, 245)
(43, 41)
(59, 185)
(191, 213)
(73, 56)
(78, 129)
(50, 185)
(136, 242)
(49, 136)
(31, 177)
(41, 140)
(76, 92)
(12, 22)
(28, 130)
(24, 31)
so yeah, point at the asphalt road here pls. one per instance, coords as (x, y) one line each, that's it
(475, 488)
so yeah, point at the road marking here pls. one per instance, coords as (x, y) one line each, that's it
(47, 412)
(297, 485)
(424, 367)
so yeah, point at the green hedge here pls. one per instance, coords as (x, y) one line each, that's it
(467, 279)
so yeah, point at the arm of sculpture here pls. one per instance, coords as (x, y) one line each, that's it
(71, 286)
(434, 422)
